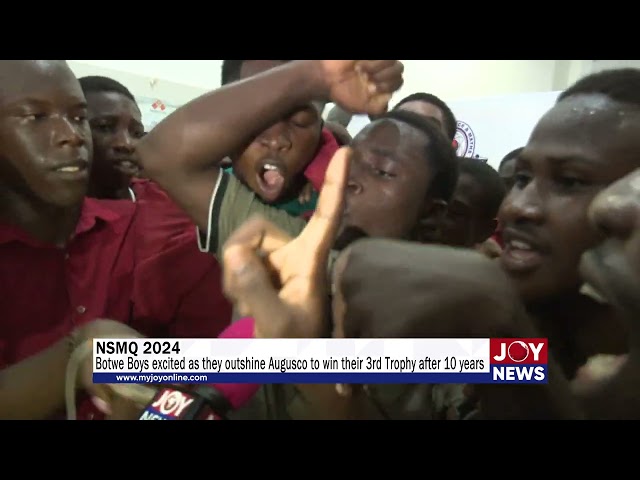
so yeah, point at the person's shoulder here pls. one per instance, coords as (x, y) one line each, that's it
(115, 215)
(152, 198)
(147, 189)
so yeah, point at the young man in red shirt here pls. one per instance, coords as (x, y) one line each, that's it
(66, 259)
(168, 234)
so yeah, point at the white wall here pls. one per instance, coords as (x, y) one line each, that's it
(455, 79)
(497, 125)
(178, 81)
(477, 90)
(599, 65)
(172, 81)
(202, 74)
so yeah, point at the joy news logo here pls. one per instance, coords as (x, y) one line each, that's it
(168, 405)
(464, 140)
(518, 360)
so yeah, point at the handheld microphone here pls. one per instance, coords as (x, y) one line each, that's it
(205, 402)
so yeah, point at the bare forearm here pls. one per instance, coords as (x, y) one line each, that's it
(203, 132)
(34, 388)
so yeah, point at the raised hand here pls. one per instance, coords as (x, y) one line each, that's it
(362, 86)
(282, 282)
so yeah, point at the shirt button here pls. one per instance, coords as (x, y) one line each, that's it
(66, 256)
(81, 309)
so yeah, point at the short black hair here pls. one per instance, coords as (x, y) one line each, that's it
(493, 188)
(450, 123)
(510, 156)
(231, 70)
(620, 84)
(97, 84)
(438, 152)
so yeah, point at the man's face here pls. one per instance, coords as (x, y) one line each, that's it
(273, 163)
(389, 178)
(45, 140)
(116, 127)
(613, 267)
(581, 146)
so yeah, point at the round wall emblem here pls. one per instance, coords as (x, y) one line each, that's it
(465, 140)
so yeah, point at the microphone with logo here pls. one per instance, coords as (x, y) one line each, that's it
(204, 402)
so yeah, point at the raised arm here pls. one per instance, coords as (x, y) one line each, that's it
(184, 151)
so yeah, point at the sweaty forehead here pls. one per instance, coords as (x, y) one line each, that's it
(111, 104)
(588, 119)
(423, 108)
(590, 126)
(37, 78)
(404, 141)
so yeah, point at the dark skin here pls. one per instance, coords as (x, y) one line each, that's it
(289, 145)
(370, 274)
(426, 110)
(34, 388)
(577, 149)
(576, 326)
(183, 152)
(467, 222)
(369, 277)
(613, 268)
(389, 179)
(431, 229)
(298, 267)
(386, 195)
(116, 127)
(506, 172)
(45, 145)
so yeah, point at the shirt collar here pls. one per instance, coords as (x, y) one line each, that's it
(94, 213)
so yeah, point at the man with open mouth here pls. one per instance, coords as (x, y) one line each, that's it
(288, 157)
(270, 126)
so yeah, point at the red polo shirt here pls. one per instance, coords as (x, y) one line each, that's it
(174, 279)
(110, 269)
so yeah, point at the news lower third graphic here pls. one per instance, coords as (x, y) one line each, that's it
(355, 361)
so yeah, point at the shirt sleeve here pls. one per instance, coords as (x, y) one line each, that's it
(231, 205)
